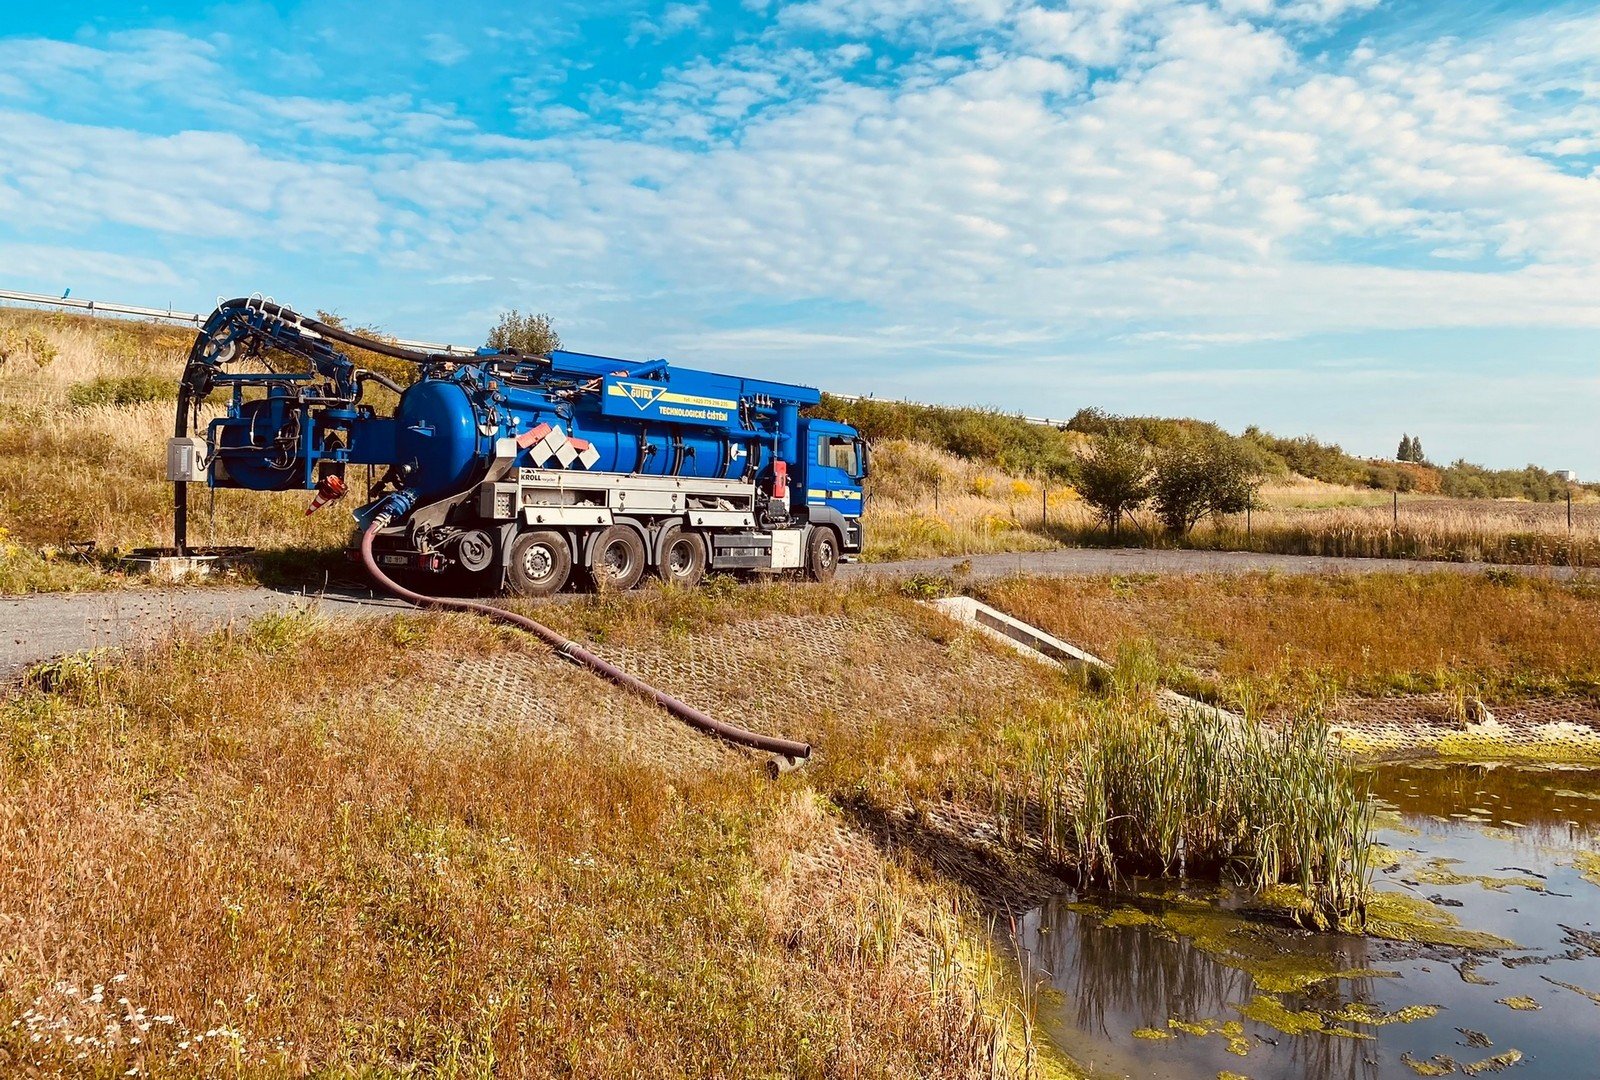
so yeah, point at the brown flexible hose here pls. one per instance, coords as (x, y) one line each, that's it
(786, 748)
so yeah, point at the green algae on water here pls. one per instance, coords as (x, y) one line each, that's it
(1588, 864)
(1359, 1012)
(1493, 1064)
(1438, 1065)
(1268, 1010)
(1520, 1002)
(1232, 1032)
(1434, 873)
(1151, 1033)
(1404, 918)
(1232, 940)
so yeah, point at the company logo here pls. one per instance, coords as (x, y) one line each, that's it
(643, 396)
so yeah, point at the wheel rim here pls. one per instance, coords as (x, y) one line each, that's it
(680, 558)
(538, 562)
(825, 554)
(618, 559)
(476, 553)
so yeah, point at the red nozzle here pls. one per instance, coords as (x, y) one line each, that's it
(329, 488)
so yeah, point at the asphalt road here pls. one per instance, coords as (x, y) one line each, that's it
(39, 627)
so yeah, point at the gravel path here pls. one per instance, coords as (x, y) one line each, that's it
(34, 628)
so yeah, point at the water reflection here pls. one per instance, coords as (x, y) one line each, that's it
(1117, 979)
(1551, 806)
(1118, 970)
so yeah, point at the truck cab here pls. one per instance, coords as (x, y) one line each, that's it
(832, 467)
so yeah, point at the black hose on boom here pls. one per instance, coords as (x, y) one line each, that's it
(333, 333)
(792, 752)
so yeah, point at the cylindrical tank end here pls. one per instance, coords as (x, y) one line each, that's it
(788, 431)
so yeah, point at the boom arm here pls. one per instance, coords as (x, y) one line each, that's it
(312, 395)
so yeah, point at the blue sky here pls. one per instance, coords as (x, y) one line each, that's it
(1354, 218)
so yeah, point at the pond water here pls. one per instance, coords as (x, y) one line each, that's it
(1210, 991)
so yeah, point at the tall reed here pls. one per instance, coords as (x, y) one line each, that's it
(1202, 796)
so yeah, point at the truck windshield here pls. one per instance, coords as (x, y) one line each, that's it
(839, 451)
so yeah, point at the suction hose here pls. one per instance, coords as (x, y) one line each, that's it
(792, 752)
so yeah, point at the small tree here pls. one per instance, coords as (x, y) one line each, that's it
(1416, 450)
(1404, 453)
(1114, 477)
(524, 333)
(1201, 476)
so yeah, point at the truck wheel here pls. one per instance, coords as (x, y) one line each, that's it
(822, 554)
(683, 557)
(539, 564)
(616, 561)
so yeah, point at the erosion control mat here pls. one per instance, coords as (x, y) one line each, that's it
(1557, 729)
(790, 675)
(876, 681)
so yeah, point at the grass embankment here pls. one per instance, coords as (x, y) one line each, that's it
(1266, 641)
(334, 876)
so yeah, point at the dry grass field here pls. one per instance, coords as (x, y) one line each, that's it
(356, 875)
(1286, 641)
(923, 502)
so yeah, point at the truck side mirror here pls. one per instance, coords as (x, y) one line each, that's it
(864, 458)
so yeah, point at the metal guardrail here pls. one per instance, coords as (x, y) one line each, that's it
(193, 319)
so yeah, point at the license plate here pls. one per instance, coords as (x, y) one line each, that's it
(394, 560)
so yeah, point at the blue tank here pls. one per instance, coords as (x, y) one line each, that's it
(594, 414)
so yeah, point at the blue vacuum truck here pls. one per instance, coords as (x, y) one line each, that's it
(514, 472)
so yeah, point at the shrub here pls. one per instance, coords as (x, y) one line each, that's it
(33, 345)
(122, 390)
(1464, 480)
(528, 333)
(1203, 476)
(1114, 477)
(1309, 457)
(996, 439)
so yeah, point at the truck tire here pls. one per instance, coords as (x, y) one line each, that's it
(822, 554)
(616, 559)
(683, 557)
(539, 563)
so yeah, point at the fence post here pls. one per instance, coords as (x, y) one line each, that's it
(1569, 509)
(1397, 508)
(1044, 506)
(1247, 521)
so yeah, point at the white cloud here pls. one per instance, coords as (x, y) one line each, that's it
(66, 267)
(673, 20)
(444, 49)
